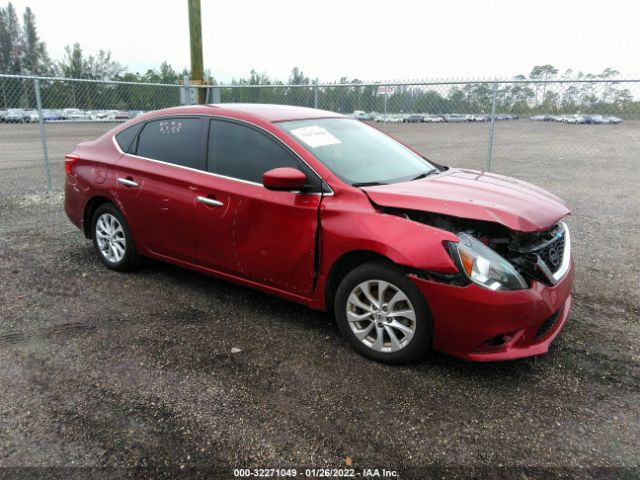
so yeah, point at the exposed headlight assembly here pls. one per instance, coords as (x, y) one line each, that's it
(485, 267)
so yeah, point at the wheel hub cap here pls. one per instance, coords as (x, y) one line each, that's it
(381, 316)
(110, 238)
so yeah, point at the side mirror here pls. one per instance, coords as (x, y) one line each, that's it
(284, 179)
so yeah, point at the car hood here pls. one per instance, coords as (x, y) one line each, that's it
(476, 195)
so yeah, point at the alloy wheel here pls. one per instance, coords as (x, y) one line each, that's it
(110, 238)
(381, 316)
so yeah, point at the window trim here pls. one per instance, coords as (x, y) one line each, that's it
(207, 118)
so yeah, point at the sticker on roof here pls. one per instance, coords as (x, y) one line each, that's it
(315, 136)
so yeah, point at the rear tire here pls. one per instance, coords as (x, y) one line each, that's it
(112, 239)
(383, 314)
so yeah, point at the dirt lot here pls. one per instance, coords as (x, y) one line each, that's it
(100, 369)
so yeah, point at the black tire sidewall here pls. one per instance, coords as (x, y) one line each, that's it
(130, 258)
(421, 341)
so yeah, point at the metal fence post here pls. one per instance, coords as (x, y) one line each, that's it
(73, 94)
(491, 126)
(385, 108)
(4, 93)
(185, 97)
(315, 95)
(43, 138)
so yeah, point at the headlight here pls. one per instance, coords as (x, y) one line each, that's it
(485, 267)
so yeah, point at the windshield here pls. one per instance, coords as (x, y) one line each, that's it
(358, 154)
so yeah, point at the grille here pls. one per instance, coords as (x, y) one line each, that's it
(552, 253)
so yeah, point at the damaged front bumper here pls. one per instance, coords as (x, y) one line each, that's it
(478, 324)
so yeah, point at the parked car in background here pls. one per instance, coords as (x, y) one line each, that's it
(51, 115)
(99, 115)
(32, 116)
(362, 115)
(2, 115)
(432, 119)
(73, 114)
(413, 118)
(122, 115)
(593, 119)
(381, 117)
(612, 119)
(324, 210)
(454, 118)
(16, 115)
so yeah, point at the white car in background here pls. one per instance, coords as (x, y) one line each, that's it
(361, 115)
(455, 118)
(32, 116)
(569, 119)
(16, 115)
(99, 115)
(433, 119)
(74, 114)
(612, 119)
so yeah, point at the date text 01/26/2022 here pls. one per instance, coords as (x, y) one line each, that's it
(314, 473)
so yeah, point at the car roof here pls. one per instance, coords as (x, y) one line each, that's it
(268, 112)
(276, 113)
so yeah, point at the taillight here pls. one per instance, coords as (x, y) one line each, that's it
(69, 161)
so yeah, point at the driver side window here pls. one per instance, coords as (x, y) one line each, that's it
(242, 152)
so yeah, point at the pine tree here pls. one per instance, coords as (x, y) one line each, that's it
(35, 60)
(5, 43)
(14, 39)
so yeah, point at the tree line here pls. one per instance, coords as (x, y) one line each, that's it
(527, 94)
(22, 52)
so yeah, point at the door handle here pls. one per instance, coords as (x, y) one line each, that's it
(209, 201)
(126, 182)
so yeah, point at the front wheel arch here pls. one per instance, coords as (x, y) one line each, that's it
(343, 266)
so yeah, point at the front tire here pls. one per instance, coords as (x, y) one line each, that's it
(383, 314)
(112, 239)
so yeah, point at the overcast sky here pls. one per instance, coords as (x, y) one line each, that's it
(369, 40)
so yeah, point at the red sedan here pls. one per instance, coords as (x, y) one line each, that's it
(327, 211)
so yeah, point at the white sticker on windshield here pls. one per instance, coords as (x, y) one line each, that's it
(315, 136)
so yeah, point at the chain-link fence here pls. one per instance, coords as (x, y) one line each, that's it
(485, 125)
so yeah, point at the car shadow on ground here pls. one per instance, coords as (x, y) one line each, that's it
(285, 313)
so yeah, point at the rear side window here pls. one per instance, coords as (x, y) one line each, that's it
(242, 152)
(174, 140)
(125, 138)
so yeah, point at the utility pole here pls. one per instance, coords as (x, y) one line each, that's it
(195, 34)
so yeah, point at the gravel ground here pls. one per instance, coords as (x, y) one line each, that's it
(100, 369)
